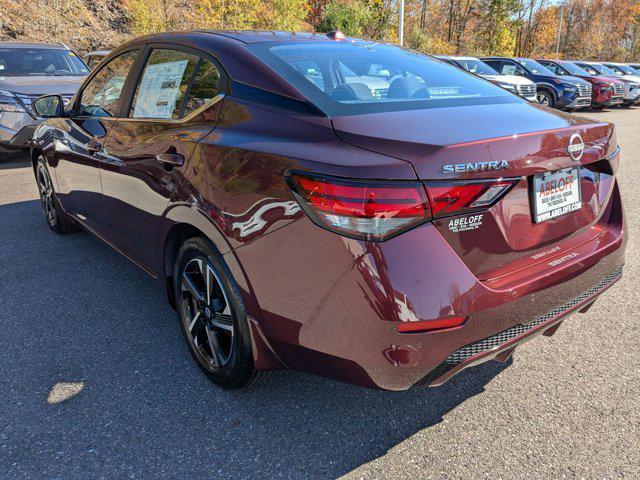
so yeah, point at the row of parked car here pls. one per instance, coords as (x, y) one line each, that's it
(29, 71)
(562, 84)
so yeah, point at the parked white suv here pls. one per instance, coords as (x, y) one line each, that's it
(514, 83)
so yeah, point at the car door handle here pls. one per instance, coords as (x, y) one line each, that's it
(171, 159)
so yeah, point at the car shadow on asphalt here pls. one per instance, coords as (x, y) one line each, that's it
(16, 160)
(74, 312)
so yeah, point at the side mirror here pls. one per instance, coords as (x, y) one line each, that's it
(49, 106)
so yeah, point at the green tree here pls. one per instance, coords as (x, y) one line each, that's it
(288, 15)
(351, 18)
(496, 36)
(150, 16)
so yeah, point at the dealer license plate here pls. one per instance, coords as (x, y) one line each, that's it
(556, 193)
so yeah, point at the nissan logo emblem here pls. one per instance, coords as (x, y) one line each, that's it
(576, 147)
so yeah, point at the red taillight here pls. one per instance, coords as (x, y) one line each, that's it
(377, 210)
(453, 198)
(367, 210)
(430, 325)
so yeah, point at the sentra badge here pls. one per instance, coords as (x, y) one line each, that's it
(475, 167)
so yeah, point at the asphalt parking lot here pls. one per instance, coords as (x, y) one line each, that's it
(79, 321)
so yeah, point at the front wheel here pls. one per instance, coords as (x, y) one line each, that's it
(57, 220)
(212, 315)
(546, 98)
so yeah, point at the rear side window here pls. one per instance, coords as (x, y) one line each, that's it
(101, 96)
(206, 85)
(164, 84)
(345, 78)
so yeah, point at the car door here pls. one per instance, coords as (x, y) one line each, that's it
(79, 150)
(166, 116)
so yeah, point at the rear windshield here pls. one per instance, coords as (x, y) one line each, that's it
(17, 62)
(344, 78)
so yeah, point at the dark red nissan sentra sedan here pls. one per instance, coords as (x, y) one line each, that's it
(345, 208)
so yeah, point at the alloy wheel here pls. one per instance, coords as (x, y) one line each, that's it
(206, 313)
(543, 99)
(46, 194)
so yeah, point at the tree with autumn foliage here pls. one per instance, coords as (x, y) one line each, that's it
(591, 29)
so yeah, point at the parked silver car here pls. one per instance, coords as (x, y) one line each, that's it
(28, 71)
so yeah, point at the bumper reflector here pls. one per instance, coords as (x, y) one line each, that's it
(430, 325)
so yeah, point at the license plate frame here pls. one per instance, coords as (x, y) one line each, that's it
(542, 213)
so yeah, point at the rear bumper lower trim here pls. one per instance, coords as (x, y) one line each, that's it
(470, 354)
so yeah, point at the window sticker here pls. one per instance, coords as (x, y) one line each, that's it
(159, 90)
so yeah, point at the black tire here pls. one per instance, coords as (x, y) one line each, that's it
(232, 367)
(546, 98)
(54, 215)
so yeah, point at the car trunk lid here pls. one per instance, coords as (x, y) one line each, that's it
(517, 141)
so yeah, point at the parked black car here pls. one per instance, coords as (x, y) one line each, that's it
(567, 93)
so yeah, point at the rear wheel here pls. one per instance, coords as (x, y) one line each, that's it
(57, 220)
(212, 315)
(546, 98)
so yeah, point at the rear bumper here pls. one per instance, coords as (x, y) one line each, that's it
(330, 305)
(504, 342)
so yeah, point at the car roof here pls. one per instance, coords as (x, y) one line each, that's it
(259, 36)
(98, 52)
(53, 46)
(465, 58)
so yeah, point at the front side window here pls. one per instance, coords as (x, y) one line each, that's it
(101, 96)
(506, 67)
(19, 62)
(164, 84)
(344, 78)
(553, 67)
